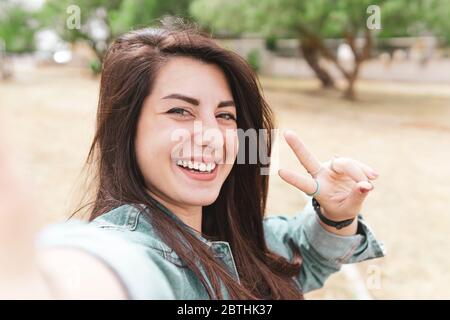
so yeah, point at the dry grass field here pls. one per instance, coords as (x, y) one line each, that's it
(401, 130)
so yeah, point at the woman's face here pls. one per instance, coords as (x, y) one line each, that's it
(186, 139)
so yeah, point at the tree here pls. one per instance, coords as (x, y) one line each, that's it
(312, 22)
(103, 20)
(17, 28)
(94, 17)
(437, 13)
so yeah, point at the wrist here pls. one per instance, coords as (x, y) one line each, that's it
(340, 227)
(349, 230)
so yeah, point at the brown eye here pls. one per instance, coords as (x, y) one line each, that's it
(179, 111)
(227, 116)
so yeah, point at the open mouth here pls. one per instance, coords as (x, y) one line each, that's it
(198, 170)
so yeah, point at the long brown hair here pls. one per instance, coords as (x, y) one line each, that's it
(129, 70)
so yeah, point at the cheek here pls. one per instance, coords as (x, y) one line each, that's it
(231, 146)
(145, 156)
(152, 147)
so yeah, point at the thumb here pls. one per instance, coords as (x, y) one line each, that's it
(358, 195)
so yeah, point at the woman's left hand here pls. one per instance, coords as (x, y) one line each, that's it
(344, 183)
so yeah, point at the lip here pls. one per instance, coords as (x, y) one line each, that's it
(199, 176)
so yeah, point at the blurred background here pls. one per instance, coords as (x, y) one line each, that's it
(365, 79)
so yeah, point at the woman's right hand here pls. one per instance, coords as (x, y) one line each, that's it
(56, 271)
(27, 272)
(20, 276)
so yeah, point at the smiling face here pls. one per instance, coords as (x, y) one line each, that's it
(186, 139)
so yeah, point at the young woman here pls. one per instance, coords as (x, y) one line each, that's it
(178, 212)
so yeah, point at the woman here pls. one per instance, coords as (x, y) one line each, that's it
(179, 209)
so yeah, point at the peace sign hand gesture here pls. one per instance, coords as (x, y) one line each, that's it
(340, 185)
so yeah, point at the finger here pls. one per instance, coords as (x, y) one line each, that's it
(306, 157)
(359, 194)
(371, 173)
(302, 182)
(349, 168)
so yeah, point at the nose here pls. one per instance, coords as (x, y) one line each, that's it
(208, 138)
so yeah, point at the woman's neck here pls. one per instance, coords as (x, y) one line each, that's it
(189, 215)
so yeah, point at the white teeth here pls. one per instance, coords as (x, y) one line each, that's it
(200, 166)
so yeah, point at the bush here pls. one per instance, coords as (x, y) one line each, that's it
(254, 59)
(95, 66)
(271, 43)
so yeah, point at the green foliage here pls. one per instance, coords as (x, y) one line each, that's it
(224, 17)
(121, 15)
(271, 43)
(263, 16)
(17, 28)
(437, 17)
(96, 66)
(254, 59)
(142, 13)
(324, 18)
(117, 16)
(54, 15)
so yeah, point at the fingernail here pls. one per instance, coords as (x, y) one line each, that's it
(365, 190)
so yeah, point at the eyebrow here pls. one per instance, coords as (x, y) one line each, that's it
(196, 102)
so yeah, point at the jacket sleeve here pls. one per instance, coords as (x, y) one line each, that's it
(140, 277)
(322, 252)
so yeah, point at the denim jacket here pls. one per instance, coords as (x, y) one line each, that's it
(323, 253)
(125, 240)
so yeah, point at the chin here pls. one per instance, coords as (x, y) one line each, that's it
(199, 199)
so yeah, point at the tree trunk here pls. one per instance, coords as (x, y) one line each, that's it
(351, 77)
(311, 55)
(349, 92)
(360, 56)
